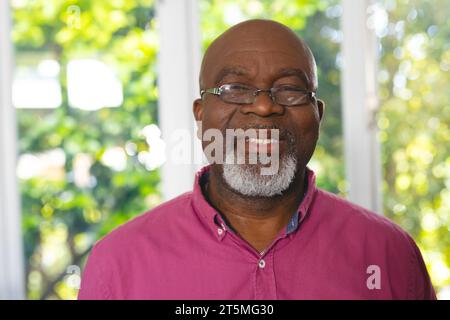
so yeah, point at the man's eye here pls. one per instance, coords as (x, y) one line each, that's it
(238, 87)
(289, 88)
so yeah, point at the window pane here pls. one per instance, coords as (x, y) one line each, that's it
(414, 126)
(85, 83)
(318, 23)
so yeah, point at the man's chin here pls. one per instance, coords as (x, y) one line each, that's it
(254, 169)
(249, 179)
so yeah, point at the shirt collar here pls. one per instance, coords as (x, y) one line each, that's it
(213, 220)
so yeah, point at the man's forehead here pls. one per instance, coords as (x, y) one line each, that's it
(273, 73)
(264, 64)
(254, 45)
(227, 48)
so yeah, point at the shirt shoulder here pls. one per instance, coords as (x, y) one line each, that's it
(346, 214)
(113, 256)
(374, 236)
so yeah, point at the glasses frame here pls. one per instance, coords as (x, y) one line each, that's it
(217, 91)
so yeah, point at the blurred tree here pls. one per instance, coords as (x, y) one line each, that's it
(62, 219)
(414, 123)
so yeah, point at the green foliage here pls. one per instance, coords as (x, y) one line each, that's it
(61, 220)
(414, 123)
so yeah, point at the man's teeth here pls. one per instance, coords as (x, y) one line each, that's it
(262, 141)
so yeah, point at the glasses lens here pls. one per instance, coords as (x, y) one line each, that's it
(237, 93)
(289, 96)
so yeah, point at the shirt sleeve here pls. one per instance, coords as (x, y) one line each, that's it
(421, 287)
(93, 285)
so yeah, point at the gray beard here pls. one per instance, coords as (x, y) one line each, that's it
(247, 180)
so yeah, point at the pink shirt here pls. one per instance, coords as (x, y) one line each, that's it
(331, 249)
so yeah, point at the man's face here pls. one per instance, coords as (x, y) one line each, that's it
(262, 62)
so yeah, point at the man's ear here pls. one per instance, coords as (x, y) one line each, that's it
(197, 108)
(320, 108)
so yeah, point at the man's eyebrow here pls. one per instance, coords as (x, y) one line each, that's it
(287, 72)
(235, 70)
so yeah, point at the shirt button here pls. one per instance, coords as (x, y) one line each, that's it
(219, 231)
(262, 263)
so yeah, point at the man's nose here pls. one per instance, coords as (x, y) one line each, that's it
(263, 106)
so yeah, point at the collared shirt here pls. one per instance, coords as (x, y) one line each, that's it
(291, 226)
(330, 249)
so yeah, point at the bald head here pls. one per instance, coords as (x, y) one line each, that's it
(253, 45)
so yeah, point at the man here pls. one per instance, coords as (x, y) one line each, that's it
(244, 235)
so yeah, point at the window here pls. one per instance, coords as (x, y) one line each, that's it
(85, 89)
(85, 93)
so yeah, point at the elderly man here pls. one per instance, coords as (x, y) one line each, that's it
(241, 234)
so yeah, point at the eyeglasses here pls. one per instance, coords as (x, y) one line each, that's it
(242, 94)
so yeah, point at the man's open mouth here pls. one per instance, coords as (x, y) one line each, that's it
(254, 145)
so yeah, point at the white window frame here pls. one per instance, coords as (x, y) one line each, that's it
(178, 70)
(12, 281)
(360, 106)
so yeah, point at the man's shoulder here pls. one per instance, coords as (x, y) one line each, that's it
(348, 216)
(150, 224)
(358, 233)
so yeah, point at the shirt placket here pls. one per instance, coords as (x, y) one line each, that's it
(264, 273)
(265, 285)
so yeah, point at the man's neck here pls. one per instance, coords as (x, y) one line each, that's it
(258, 220)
